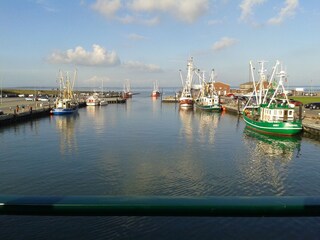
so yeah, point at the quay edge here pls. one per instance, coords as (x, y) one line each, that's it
(23, 116)
(8, 119)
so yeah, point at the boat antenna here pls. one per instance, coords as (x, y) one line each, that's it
(254, 92)
(181, 77)
(271, 79)
(262, 79)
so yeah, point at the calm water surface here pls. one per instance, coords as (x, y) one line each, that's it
(148, 148)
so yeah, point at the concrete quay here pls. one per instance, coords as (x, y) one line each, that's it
(7, 119)
(170, 99)
(16, 110)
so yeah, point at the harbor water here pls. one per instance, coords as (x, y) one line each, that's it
(149, 148)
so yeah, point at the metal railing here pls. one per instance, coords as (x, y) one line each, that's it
(160, 206)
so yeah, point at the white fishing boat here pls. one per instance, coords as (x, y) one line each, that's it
(66, 102)
(97, 98)
(127, 90)
(93, 100)
(186, 99)
(103, 102)
(208, 98)
(155, 92)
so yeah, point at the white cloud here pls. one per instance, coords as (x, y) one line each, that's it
(247, 6)
(130, 19)
(150, 22)
(97, 80)
(288, 10)
(46, 6)
(223, 43)
(139, 66)
(185, 10)
(98, 57)
(107, 8)
(214, 22)
(136, 37)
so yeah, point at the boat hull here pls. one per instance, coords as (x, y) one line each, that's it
(103, 103)
(186, 102)
(212, 108)
(92, 103)
(274, 128)
(155, 94)
(63, 111)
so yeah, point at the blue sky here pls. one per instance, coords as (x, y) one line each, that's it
(112, 41)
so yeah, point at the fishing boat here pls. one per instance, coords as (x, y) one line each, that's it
(103, 102)
(127, 90)
(97, 98)
(155, 92)
(64, 106)
(186, 99)
(272, 116)
(208, 98)
(93, 100)
(66, 103)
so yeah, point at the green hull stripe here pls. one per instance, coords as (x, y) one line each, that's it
(275, 129)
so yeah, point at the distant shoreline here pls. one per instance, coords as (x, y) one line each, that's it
(90, 88)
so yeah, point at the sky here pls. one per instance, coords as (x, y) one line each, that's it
(142, 41)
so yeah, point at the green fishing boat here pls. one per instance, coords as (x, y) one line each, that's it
(274, 119)
(208, 98)
(272, 116)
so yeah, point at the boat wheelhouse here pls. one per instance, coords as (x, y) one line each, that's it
(93, 100)
(208, 103)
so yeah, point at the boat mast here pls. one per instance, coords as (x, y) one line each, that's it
(187, 85)
(67, 92)
(60, 83)
(262, 79)
(190, 75)
(282, 76)
(212, 77)
(254, 92)
(271, 80)
(75, 75)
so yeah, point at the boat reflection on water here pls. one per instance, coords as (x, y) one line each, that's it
(208, 123)
(66, 127)
(186, 116)
(155, 106)
(268, 161)
(274, 146)
(97, 118)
